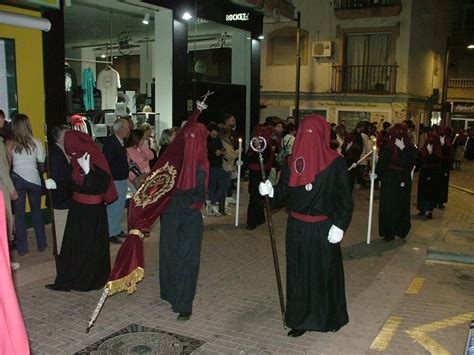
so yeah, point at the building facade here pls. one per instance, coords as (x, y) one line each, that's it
(375, 60)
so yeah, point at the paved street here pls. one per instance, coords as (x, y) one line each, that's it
(398, 303)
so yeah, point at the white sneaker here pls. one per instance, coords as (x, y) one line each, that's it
(230, 200)
(14, 265)
(214, 210)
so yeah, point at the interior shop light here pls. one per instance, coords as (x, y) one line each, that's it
(68, 3)
(102, 55)
(146, 19)
(261, 37)
(37, 23)
(471, 46)
(187, 16)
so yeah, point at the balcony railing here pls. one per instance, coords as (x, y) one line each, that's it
(363, 4)
(461, 83)
(366, 79)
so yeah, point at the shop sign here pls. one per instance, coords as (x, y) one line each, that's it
(464, 107)
(244, 16)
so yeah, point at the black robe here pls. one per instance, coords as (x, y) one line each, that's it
(84, 262)
(256, 207)
(429, 183)
(180, 247)
(446, 162)
(395, 191)
(315, 288)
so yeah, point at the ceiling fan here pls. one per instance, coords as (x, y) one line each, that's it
(125, 43)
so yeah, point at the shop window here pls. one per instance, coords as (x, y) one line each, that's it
(211, 65)
(309, 111)
(8, 97)
(281, 47)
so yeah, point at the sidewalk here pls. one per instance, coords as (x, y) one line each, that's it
(236, 310)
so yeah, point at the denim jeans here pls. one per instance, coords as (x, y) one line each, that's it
(33, 191)
(115, 209)
(219, 181)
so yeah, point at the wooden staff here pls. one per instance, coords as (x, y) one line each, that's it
(258, 144)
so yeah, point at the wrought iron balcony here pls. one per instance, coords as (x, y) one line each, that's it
(365, 79)
(363, 4)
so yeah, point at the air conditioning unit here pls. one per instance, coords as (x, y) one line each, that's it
(322, 49)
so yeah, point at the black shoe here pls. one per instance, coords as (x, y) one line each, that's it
(388, 239)
(121, 235)
(421, 213)
(54, 287)
(42, 248)
(115, 240)
(251, 227)
(184, 316)
(429, 216)
(295, 333)
(441, 206)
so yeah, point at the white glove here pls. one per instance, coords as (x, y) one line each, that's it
(430, 148)
(335, 234)
(266, 188)
(373, 176)
(353, 165)
(84, 163)
(399, 143)
(441, 139)
(349, 145)
(412, 174)
(50, 184)
(239, 163)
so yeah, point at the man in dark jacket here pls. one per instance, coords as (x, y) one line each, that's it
(116, 156)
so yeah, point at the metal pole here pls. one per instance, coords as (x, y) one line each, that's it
(257, 146)
(298, 67)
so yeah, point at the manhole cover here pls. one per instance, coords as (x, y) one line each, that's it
(136, 339)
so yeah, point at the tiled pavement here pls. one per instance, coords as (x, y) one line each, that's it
(236, 308)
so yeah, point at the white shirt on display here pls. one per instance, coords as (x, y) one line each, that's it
(108, 81)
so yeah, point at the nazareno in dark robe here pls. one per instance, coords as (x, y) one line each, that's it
(394, 171)
(429, 183)
(446, 162)
(256, 208)
(84, 262)
(180, 246)
(315, 288)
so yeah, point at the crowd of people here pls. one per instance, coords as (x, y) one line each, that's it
(311, 168)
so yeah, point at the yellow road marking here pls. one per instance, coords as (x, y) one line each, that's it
(415, 285)
(382, 340)
(419, 333)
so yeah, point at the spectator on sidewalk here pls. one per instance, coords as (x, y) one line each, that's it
(27, 157)
(139, 155)
(396, 161)
(167, 136)
(218, 179)
(315, 189)
(116, 156)
(84, 262)
(60, 173)
(13, 337)
(6, 183)
(229, 158)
